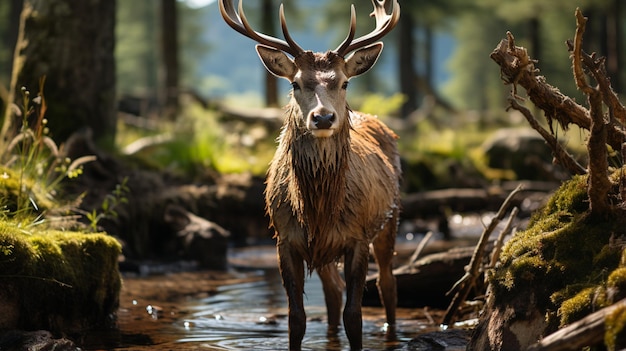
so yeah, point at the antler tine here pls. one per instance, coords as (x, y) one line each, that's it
(384, 24)
(344, 45)
(238, 21)
(292, 43)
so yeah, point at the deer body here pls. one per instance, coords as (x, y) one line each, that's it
(333, 184)
(327, 194)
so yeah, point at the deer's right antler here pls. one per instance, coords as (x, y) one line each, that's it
(384, 24)
(238, 21)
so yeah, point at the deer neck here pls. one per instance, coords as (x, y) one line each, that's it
(319, 175)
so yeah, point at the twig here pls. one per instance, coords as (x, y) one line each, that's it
(579, 75)
(468, 281)
(420, 247)
(561, 155)
(497, 246)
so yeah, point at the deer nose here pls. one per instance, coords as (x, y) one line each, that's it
(323, 121)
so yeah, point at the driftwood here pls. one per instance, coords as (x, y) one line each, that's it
(588, 331)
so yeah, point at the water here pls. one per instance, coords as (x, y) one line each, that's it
(246, 309)
(248, 312)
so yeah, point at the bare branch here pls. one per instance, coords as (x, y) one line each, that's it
(599, 183)
(579, 75)
(518, 69)
(560, 154)
(468, 281)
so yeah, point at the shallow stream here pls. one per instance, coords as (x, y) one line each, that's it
(238, 310)
(246, 308)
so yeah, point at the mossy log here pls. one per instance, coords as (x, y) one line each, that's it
(64, 282)
(566, 265)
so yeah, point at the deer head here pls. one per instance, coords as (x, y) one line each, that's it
(319, 80)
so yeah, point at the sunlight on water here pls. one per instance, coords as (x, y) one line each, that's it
(252, 316)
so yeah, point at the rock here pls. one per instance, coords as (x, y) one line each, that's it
(522, 152)
(64, 282)
(40, 340)
(446, 340)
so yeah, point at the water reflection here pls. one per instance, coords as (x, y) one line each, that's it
(252, 316)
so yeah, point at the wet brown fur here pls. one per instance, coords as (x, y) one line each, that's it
(329, 198)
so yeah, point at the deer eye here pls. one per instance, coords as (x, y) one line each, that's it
(344, 86)
(295, 86)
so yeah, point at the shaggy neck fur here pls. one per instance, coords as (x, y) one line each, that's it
(318, 167)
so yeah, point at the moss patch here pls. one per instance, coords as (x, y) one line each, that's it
(62, 281)
(567, 260)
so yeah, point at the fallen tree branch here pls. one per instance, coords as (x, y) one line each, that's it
(588, 331)
(468, 281)
(517, 68)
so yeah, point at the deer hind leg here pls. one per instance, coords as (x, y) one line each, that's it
(292, 272)
(333, 286)
(383, 253)
(355, 271)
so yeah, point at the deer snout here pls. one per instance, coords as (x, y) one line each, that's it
(324, 121)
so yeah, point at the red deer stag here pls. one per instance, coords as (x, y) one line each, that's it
(332, 187)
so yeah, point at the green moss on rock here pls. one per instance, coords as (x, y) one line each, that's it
(60, 281)
(615, 331)
(565, 259)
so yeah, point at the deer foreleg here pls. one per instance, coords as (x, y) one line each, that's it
(355, 272)
(333, 286)
(386, 282)
(292, 272)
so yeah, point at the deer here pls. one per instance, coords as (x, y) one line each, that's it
(332, 187)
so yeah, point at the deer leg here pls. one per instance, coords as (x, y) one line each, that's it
(355, 272)
(333, 286)
(386, 282)
(292, 272)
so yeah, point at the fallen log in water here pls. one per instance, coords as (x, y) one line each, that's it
(435, 202)
(425, 282)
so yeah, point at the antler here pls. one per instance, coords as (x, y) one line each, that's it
(384, 24)
(239, 22)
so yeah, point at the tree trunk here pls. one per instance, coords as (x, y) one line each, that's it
(71, 43)
(15, 10)
(406, 69)
(10, 38)
(169, 50)
(267, 26)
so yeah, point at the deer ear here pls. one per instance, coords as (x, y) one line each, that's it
(277, 62)
(363, 59)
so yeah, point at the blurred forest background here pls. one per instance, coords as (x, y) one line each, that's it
(176, 61)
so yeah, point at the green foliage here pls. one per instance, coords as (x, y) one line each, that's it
(198, 141)
(34, 164)
(380, 105)
(108, 207)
